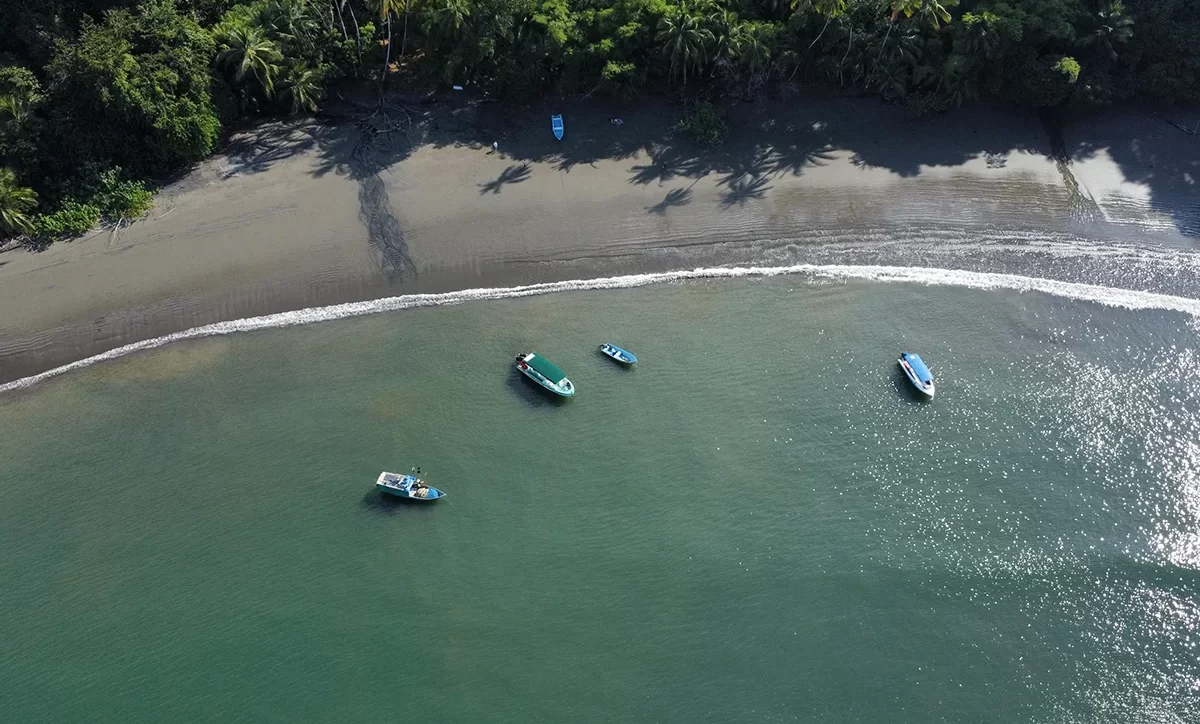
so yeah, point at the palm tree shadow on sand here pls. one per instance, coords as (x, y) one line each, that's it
(514, 174)
(674, 197)
(741, 190)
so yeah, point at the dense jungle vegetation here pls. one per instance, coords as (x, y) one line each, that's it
(96, 96)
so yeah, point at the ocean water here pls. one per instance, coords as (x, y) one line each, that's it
(760, 523)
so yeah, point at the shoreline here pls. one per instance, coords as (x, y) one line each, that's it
(289, 217)
(1132, 300)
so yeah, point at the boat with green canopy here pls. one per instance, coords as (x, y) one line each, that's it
(545, 373)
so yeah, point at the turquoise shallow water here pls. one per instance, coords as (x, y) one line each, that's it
(757, 524)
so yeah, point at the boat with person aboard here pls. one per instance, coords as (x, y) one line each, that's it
(545, 373)
(408, 487)
(917, 372)
(614, 352)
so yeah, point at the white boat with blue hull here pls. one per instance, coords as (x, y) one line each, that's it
(408, 487)
(612, 351)
(917, 372)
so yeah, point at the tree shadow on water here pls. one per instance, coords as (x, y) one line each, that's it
(389, 505)
(514, 174)
(905, 391)
(530, 392)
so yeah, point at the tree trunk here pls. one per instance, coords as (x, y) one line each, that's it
(814, 42)
(341, 19)
(357, 36)
(842, 65)
(810, 46)
(404, 37)
(883, 45)
(387, 58)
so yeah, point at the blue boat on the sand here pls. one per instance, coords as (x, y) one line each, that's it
(408, 487)
(612, 351)
(917, 372)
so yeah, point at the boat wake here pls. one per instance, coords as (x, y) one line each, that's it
(1126, 298)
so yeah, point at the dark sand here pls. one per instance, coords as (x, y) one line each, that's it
(287, 217)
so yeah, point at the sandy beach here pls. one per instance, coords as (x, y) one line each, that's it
(290, 215)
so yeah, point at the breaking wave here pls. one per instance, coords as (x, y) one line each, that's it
(1129, 299)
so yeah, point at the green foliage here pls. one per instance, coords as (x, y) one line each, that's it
(301, 88)
(120, 198)
(933, 13)
(144, 85)
(277, 55)
(71, 220)
(247, 55)
(1105, 30)
(20, 97)
(1069, 67)
(704, 124)
(133, 91)
(109, 196)
(1161, 56)
(685, 38)
(1042, 82)
(16, 203)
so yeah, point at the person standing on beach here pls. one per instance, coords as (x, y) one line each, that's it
(495, 147)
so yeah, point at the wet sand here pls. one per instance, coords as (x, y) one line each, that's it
(290, 216)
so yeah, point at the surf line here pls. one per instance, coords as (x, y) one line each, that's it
(1126, 298)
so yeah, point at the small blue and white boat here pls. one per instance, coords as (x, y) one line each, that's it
(614, 352)
(917, 373)
(409, 487)
(556, 125)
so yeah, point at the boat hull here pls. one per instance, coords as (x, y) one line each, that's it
(403, 487)
(617, 354)
(547, 384)
(393, 493)
(927, 390)
(528, 364)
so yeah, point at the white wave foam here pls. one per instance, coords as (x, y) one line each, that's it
(1126, 298)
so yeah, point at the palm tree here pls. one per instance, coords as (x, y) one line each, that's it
(246, 50)
(980, 38)
(15, 204)
(828, 9)
(685, 39)
(448, 17)
(777, 9)
(302, 88)
(749, 47)
(1109, 28)
(288, 20)
(723, 24)
(15, 107)
(386, 9)
(933, 12)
